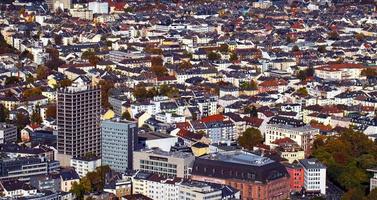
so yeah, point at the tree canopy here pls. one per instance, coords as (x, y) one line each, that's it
(347, 156)
(250, 138)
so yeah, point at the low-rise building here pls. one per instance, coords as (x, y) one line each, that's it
(255, 176)
(169, 164)
(84, 165)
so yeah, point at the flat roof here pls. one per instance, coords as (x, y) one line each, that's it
(240, 157)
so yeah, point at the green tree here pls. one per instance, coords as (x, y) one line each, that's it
(126, 115)
(224, 48)
(78, 190)
(212, 56)
(295, 48)
(353, 194)
(233, 57)
(250, 138)
(322, 49)
(253, 112)
(4, 113)
(302, 92)
(333, 35)
(12, 80)
(372, 195)
(168, 91)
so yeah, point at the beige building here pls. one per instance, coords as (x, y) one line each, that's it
(169, 164)
(301, 135)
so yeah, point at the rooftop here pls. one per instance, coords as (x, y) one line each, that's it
(240, 157)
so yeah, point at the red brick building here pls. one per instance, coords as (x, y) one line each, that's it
(255, 176)
(296, 173)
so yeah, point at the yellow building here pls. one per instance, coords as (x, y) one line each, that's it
(199, 149)
(109, 114)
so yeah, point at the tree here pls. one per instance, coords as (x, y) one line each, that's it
(250, 138)
(64, 83)
(322, 49)
(224, 48)
(90, 56)
(58, 39)
(126, 115)
(42, 72)
(51, 111)
(4, 113)
(333, 35)
(353, 194)
(185, 65)
(360, 36)
(253, 112)
(369, 72)
(212, 56)
(78, 190)
(36, 118)
(302, 92)
(26, 54)
(105, 85)
(32, 92)
(347, 167)
(168, 91)
(5, 47)
(21, 120)
(295, 48)
(372, 194)
(233, 57)
(12, 80)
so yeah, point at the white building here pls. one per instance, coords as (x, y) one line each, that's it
(159, 188)
(83, 166)
(99, 7)
(301, 135)
(314, 175)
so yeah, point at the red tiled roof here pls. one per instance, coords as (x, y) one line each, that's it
(213, 118)
(189, 135)
(253, 121)
(273, 83)
(183, 125)
(166, 78)
(285, 140)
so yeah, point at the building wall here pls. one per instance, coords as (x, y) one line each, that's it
(296, 180)
(164, 165)
(78, 122)
(118, 143)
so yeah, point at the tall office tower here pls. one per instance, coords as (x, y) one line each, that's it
(119, 138)
(78, 121)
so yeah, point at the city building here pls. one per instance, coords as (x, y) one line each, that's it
(169, 164)
(302, 135)
(158, 187)
(314, 176)
(67, 177)
(78, 121)
(49, 182)
(85, 165)
(98, 7)
(119, 140)
(22, 168)
(296, 176)
(8, 133)
(373, 179)
(255, 176)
